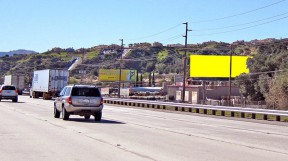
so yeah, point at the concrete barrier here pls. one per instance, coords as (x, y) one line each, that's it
(195, 110)
(220, 113)
(228, 113)
(284, 118)
(248, 113)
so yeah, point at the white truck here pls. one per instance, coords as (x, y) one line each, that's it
(48, 83)
(17, 80)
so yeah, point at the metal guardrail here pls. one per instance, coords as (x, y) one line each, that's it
(259, 114)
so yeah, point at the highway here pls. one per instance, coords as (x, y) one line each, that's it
(28, 131)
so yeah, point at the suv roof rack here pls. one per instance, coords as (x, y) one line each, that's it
(83, 85)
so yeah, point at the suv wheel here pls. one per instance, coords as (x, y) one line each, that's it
(65, 114)
(98, 116)
(56, 112)
(87, 117)
(15, 99)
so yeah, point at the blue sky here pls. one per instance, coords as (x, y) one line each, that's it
(43, 24)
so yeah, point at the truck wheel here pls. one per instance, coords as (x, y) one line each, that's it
(35, 95)
(87, 117)
(56, 112)
(98, 116)
(65, 114)
(44, 96)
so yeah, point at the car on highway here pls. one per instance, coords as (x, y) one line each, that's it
(83, 100)
(8, 92)
(26, 91)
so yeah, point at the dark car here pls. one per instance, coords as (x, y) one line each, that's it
(26, 91)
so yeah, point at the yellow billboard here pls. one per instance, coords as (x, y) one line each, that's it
(215, 66)
(111, 75)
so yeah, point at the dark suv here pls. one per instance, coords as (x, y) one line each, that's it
(8, 92)
(83, 100)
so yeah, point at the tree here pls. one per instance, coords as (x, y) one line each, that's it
(268, 82)
(95, 72)
(150, 67)
(160, 68)
(277, 96)
(73, 80)
(249, 87)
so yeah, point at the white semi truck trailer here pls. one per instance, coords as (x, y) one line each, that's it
(17, 80)
(48, 83)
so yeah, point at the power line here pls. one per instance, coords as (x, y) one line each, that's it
(266, 78)
(239, 14)
(158, 33)
(216, 33)
(273, 71)
(201, 21)
(170, 39)
(173, 27)
(251, 22)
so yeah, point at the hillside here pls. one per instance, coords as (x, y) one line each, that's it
(143, 57)
(17, 52)
(270, 57)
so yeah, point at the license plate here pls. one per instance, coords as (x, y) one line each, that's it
(85, 101)
(86, 111)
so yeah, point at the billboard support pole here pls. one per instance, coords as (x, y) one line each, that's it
(185, 62)
(120, 68)
(204, 92)
(229, 97)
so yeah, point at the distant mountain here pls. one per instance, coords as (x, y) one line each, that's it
(20, 51)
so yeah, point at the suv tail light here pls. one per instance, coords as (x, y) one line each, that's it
(69, 100)
(0, 90)
(16, 91)
(101, 101)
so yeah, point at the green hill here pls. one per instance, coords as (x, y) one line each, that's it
(269, 55)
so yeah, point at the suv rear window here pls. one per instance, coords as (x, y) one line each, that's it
(90, 92)
(9, 88)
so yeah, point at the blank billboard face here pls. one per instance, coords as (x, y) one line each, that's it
(212, 66)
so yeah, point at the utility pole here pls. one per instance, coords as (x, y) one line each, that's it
(82, 71)
(150, 81)
(153, 79)
(120, 69)
(137, 79)
(185, 61)
(229, 97)
(141, 79)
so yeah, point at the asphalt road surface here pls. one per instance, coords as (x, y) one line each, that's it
(29, 132)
